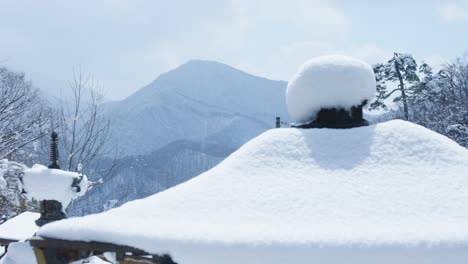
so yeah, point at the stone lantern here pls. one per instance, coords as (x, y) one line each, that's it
(51, 210)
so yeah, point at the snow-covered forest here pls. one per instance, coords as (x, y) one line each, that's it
(436, 100)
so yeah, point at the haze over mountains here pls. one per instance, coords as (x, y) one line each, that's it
(183, 123)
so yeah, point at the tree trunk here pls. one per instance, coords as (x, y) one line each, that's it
(402, 87)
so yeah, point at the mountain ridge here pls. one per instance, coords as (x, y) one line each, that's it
(191, 94)
(183, 123)
(192, 63)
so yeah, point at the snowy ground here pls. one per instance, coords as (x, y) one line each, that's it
(393, 192)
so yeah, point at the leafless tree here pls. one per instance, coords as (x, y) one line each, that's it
(23, 114)
(84, 130)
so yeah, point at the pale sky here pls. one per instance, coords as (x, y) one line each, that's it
(127, 44)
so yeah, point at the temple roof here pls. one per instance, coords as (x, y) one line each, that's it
(394, 183)
(19, 227)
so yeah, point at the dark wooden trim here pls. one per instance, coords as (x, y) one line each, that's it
(7, 241)
(5, 251)
(83, 246)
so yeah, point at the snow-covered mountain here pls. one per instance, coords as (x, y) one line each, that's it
(182, 124)
(196, 101)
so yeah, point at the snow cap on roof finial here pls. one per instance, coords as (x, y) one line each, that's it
(329, 82)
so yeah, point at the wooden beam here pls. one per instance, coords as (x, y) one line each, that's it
(83, 246)
(7, 241)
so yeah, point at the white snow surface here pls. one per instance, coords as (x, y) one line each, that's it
(393, 192)
(90, 260)
(3, 183)
(20, 227)
(333, 81)
(42, 183)
(19, 253)
(3, 169)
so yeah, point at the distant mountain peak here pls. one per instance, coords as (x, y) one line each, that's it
(202, 79)
(200, 96)
(206, 65)
(203, 62)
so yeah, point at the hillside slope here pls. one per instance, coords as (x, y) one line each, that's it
(182, 124)
(193, 102)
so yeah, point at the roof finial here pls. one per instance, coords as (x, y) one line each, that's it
(54, 154)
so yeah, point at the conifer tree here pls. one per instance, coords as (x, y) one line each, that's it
(401, 70)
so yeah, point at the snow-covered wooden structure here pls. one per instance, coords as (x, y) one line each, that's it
(18, 228)
(390, 192)
(393, 192)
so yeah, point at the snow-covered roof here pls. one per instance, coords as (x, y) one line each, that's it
(19, 227)
(333, 81)
(394, 183)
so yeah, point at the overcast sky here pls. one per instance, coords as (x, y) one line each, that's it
(127, 44)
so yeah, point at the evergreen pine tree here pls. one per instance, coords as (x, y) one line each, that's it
(400, 69)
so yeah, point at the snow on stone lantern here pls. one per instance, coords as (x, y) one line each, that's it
(329, 92)
(54, 188)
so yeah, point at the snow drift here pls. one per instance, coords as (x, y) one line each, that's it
(328, 82)
(19, 253)
(292, 194)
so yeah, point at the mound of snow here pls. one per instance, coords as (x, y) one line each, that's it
(308, 195)
(19, 253)
(42, 183)
(328, 82)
